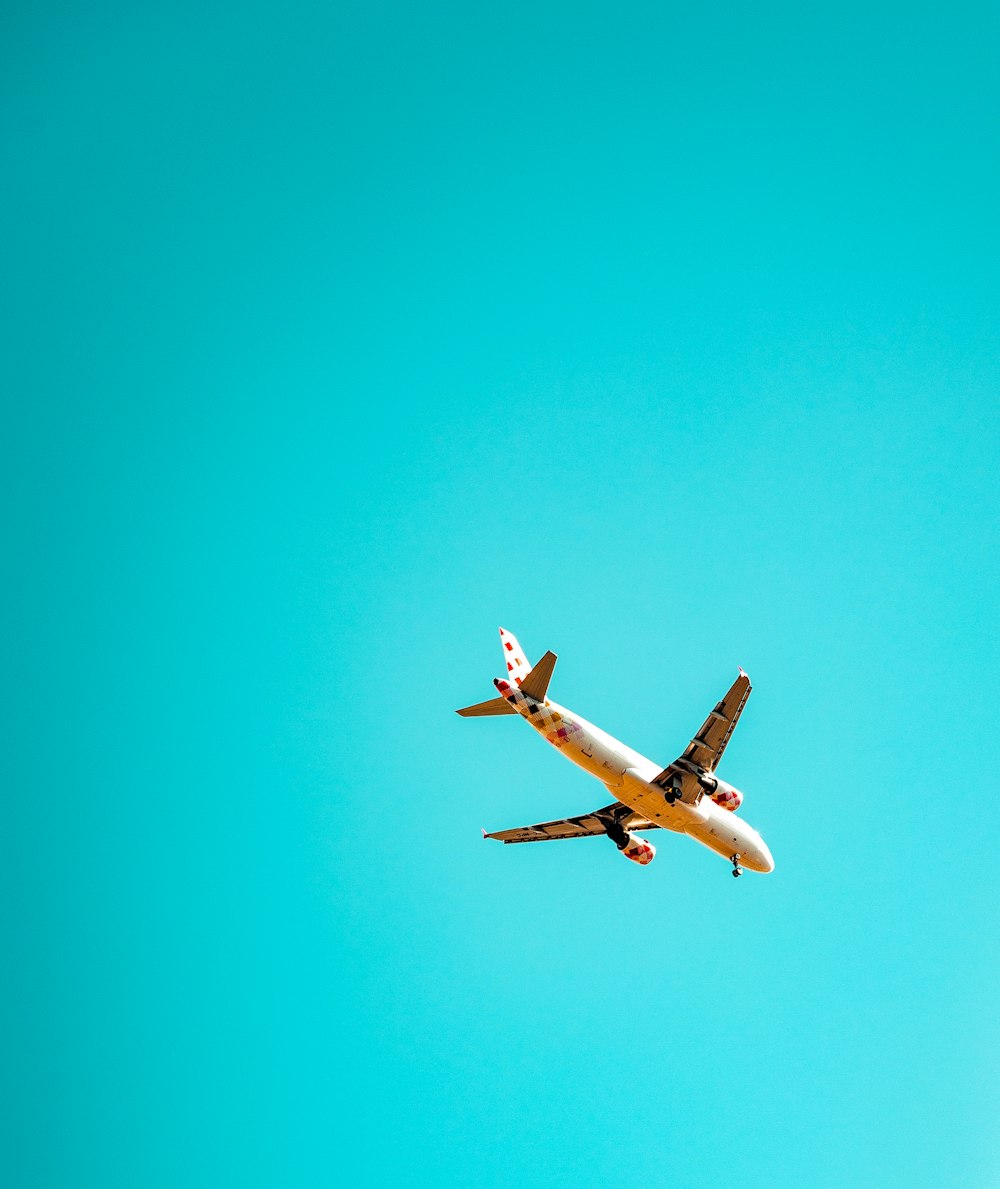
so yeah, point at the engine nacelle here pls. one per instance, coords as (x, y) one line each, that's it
(638, 849)
(721, 793)
(631, 845)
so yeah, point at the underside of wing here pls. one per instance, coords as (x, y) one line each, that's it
(706, 748)
(584, 826)
(683, 777)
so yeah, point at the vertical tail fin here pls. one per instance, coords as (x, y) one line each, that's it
(536, 684)
(518, 665)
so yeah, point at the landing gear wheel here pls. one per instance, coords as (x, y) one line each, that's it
(737, 872)
(737, 869)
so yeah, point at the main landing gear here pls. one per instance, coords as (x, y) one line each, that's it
(737, 869)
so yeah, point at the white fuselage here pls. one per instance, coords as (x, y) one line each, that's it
(629, 776)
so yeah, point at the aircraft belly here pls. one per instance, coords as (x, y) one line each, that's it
(723, 842)
(649, 800)
(727, 834)
(715, 828)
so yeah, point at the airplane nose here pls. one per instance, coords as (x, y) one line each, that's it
(766, 861)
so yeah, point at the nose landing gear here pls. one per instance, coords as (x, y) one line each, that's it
(737, 869)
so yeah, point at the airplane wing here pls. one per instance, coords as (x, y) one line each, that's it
(705, 750)
(577, 827)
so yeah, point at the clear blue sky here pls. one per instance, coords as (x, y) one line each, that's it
(333, 337)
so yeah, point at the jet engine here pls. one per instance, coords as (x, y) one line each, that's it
(721, 793)
(638, 850)
(631, 845)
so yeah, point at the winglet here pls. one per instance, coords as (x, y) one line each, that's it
(484, 832)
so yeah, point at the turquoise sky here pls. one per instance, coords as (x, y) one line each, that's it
(333, 337)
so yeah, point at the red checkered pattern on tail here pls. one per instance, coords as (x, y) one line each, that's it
(639, 850)
(517, 663)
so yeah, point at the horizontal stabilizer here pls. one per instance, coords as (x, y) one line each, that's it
(482, 709)
(536, 683)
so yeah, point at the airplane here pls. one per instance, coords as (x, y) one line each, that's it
(686, 797)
